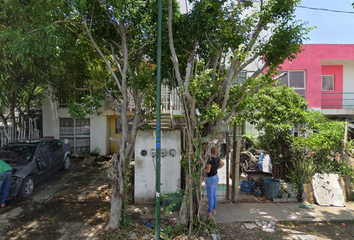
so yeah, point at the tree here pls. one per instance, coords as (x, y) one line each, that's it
(276, 112)
(24, 59)
(120, 32)
(36, 56)
(209, 47)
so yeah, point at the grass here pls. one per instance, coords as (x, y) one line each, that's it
(265, 235)
(287, 223)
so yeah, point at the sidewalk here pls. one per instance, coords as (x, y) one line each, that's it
(253, 212)
(249, 212)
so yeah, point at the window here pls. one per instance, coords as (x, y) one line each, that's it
(240, 78)
(79, 92)
(327, 83)
(295, 80)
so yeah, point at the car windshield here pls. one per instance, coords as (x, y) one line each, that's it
(17, 153)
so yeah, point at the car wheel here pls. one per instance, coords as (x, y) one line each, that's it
(66, 163)
(27, 187)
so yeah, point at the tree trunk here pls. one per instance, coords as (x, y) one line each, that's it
(227, 151)
(13, 118)
(237, 169)
(115, 173)
(233, 164)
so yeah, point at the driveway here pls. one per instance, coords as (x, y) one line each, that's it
(68, 205)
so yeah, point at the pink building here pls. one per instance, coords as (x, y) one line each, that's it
(324, 75)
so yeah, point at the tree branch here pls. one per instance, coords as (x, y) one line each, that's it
(88, 32)
(189, 73)
(227, 86)
(116, 60)
(74, 23)
(171, 44)
(93, 10)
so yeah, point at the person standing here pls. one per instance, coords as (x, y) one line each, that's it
(5, 181)
(212, 179)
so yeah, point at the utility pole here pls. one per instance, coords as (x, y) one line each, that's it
(158, 122)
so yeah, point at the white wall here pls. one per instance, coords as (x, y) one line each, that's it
(50, 118)
(98, 133)
(251, 129)
(145, 174)
(348, 82)
(98, 125)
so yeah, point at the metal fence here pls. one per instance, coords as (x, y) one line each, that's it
(337, 100)
(257, 179)
(21, 130)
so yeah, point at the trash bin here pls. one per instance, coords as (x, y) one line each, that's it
(246, 186)
(271, 187)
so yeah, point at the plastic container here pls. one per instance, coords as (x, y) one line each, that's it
(271, 187)
(246, 186)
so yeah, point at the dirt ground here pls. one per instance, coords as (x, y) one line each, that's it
(65, 204)
(75, 205)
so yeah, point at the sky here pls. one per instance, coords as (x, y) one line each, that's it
(331, 27)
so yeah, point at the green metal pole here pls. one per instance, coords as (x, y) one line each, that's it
(158, 121)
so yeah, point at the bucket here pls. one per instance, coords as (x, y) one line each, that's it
(271, 187)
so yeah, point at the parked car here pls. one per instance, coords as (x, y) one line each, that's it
(34, 160)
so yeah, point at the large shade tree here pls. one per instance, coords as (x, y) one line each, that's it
(209, 46)
(63, 45)
(35, 56)
(276, 112)
(26, 57)
(122, 33)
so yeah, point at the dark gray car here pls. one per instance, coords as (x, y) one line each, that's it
(33, 161)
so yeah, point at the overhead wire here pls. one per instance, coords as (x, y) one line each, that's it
(325, 9)
(320, 9)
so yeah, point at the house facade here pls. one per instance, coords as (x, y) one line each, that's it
(324, 75)
(93, 135)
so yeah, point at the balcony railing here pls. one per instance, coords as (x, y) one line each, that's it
(170, 102)
(337, 100)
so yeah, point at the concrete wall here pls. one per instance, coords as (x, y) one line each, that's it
(333, 100)
(98, 134)
(145, 174)
(50, 118)
(348, 75)
(348, 82)
(311, 60)
(98, 125)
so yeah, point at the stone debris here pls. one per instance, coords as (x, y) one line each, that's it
(267, 226)
(146, 237)
(259, 224)
(270, 227)
(264, 223)
(301, 237)
(250, 226)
